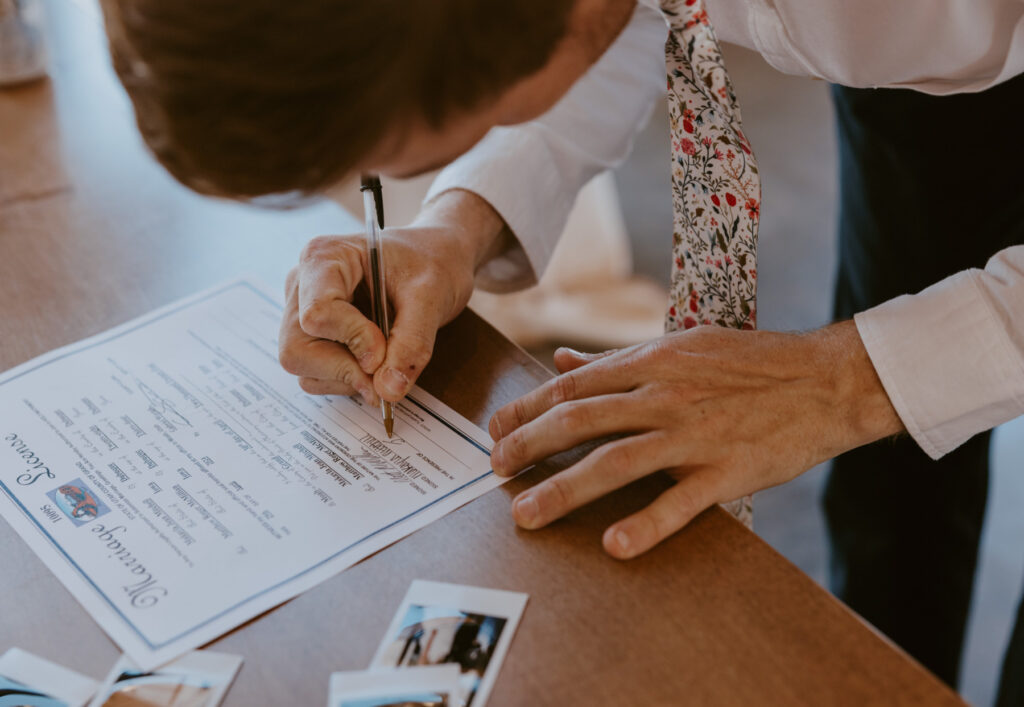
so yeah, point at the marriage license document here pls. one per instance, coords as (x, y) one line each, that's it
(179, 482)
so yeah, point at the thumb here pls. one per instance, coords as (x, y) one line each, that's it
(410, 345)
(567, 359)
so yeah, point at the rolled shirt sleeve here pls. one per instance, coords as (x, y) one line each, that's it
(951, 358)
(531, 173)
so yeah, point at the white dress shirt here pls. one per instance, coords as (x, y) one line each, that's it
(951, 358)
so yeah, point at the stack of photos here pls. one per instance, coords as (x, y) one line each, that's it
(197, 679)
(444, 648)
(449, 624)
(27, 680)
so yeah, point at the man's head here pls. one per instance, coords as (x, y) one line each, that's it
(289, 96)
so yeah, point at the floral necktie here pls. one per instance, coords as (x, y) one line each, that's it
(716, 191)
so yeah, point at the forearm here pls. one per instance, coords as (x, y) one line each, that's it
(531, 173)
(480, 230)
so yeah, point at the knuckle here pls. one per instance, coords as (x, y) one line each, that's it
(291, 281)
(561, 492)
(345, 374)
(514, 450)
(703, 338)
(316, 248)
(356, 342)
(652, 352)
(289, 359)
(574, 418)
(618, 456)
(519, 414)
(657, 526)
(315, 318)
(684, 503)
(563, 389)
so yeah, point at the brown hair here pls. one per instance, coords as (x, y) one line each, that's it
(258, 97)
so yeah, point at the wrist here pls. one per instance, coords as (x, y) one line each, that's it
(481, 231)
(865, 413)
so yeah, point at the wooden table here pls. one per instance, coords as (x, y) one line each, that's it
(93, 233)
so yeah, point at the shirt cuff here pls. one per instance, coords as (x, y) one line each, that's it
(490, 171)
(946, 361)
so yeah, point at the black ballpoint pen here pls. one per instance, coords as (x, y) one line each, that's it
(373, 210)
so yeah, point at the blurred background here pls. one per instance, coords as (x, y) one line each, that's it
(607, 286)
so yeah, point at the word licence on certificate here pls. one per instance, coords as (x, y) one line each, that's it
(179, 482)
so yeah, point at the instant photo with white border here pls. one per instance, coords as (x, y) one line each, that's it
(433, 685)
(440, 623)
(53, 683)
(204, 675)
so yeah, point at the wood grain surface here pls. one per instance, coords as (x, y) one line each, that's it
(93, 233)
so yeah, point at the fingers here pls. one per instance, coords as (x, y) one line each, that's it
(423, 296)
(319, 386)
(324, 367)
(328, 367)
(329, 271)
(600, 377)
(417, 319)
(609, 467)
(567, 359)
(669, 513)
(567, 425)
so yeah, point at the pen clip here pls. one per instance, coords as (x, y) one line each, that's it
(371, 183)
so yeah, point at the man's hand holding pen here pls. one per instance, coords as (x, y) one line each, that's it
(335, 348)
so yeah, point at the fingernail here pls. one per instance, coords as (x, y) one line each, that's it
(622, 540)
(366, 361)
(495, 428)
(526, 510)
(395, 382)
(574, 352)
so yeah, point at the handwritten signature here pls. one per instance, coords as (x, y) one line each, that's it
(373, 462)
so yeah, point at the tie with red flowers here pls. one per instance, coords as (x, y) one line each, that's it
(716, 191)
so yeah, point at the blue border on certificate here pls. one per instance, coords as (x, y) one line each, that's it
(147, 321)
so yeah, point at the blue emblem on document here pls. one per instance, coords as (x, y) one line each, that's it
(78, 502)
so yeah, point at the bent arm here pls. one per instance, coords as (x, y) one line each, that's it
(951, 358)
(530, 173)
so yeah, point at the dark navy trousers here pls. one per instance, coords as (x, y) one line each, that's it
(928, 186)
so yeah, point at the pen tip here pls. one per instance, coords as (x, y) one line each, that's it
(389, 426)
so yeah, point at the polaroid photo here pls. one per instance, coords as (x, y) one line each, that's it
(425, 686)
(440, 624)
(197, 679)
(27, 680)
